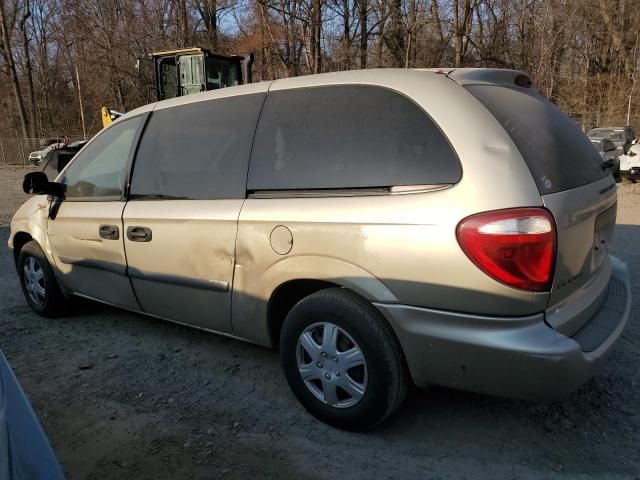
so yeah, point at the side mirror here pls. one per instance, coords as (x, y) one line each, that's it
(38, 183)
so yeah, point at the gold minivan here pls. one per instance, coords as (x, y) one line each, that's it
(381, 228)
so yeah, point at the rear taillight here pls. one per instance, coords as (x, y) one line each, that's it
(516, 247)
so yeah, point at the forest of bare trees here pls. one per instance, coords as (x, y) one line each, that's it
(582, 54)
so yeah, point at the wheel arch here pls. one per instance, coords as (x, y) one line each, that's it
(285, 297)
(262, 302)
(20, 239)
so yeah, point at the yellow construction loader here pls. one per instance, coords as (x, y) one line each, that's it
(190, 70)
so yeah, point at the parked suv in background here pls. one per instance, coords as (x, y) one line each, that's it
(379, 227)
(630, 164)
(609, 154)
(622, 137)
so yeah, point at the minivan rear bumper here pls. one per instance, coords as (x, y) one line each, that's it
(518, 357)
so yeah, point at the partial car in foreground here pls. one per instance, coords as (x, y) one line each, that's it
(378, 227)
(25, 453)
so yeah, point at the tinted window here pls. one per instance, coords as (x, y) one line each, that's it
(198, 150)
(99, 170)
(347, 137)
(559, 155)
(221, 73)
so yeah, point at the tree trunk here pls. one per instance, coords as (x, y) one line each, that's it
(395, 38)
(616, 37)
(274, 44)
(208, 10)
(346, 35)
(27, 56)
(183, 21)
(364, 33)
(460, 29)
(411, 35)
(435, 14)
(8, 54)
(316, 31)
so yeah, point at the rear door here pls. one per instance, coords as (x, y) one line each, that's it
(85, 229)
(187, 188)
(574, 185)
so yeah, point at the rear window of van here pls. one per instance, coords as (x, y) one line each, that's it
(559, 155)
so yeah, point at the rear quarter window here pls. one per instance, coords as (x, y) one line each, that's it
(558, 154)
(341, 137)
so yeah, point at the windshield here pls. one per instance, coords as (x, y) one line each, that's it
(222, 73)
(614, 135)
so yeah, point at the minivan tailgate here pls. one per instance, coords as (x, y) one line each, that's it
(585, 219)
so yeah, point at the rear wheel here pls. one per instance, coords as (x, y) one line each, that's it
(38, 282)
(342, 360)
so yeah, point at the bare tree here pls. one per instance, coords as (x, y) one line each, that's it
(583, 55)
(7, 53)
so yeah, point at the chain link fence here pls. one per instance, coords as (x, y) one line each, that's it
(16, 150)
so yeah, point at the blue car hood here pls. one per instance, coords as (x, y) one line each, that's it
(25, 453)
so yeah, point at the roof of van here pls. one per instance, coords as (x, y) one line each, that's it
(388, 77)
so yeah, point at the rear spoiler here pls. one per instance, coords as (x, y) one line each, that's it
(485, 76)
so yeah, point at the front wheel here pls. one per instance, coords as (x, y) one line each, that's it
(38, 282)
(342, 360)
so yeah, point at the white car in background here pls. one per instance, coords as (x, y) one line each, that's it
(630, 163)
(37, 157)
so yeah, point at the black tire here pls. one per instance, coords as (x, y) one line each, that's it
(54, 302)
(387, 379)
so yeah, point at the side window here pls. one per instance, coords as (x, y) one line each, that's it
(100, 169)
(198, 150)
(347, 137)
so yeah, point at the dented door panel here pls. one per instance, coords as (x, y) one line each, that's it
(183, 269)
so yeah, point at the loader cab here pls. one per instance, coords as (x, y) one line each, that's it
(192, 70)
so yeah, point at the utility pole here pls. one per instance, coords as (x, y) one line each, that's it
(84, 131)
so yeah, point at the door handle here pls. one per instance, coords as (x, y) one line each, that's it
(109, 232)
(139, 234)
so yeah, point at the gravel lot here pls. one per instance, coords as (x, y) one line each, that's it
(125, 396)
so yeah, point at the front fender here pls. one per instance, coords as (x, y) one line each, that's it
(31, 218)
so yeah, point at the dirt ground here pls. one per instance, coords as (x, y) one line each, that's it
(125, 396)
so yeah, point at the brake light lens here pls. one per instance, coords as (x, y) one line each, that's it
(516, 247)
